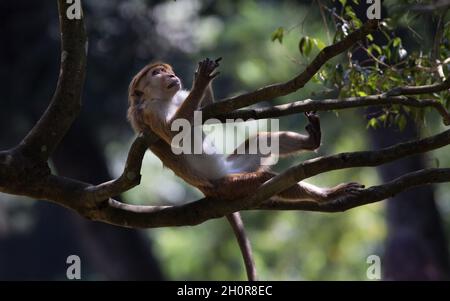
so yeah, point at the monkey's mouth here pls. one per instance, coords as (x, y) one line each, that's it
(172, 84)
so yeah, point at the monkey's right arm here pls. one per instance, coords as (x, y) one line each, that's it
(205, 74)
(208, 98)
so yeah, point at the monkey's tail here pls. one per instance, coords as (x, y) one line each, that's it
(236, 223)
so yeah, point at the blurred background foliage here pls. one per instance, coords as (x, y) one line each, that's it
(123, 37)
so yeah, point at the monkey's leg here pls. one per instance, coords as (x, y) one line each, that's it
(245, 184)
(292, 142)
(306, 191)
(288, 142)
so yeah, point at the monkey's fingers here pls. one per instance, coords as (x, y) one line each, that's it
(212, 66)
(203, 66)
(311, 113)
(214, 75)
(218, 60)
(353, 188)
(355, 185)
(313, 119)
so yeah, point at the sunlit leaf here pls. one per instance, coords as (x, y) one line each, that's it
(373, 123)
(396, 42)
(305, 45)
(278, 34)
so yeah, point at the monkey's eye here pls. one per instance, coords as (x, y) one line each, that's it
(154, 72)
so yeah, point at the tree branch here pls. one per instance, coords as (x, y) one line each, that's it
(319, 165)
(79, 196)
(426, 89)
(367, 196)
(43, 139)
(233, 103)
(334, 104)
(130, 177)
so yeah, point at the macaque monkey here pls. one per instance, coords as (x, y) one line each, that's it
(156, 100)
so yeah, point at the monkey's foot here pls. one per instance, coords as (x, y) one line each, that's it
(313, 119)
(313, 129)
(343, 190)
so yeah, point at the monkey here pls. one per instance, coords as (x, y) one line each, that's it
(156, 99)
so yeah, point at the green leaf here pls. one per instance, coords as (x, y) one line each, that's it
(373, 123)
(361, 93)
(377, 48)
(401, 122)
(387, 52)
(278, 34)
(305, 45)
(319, 44)
(396, 42)
(436, 161)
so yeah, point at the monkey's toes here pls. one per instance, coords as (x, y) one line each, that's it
(312, 116)
(353, 188)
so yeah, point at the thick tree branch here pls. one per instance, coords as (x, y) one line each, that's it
(130, 177)
(370, 195)
(80, 197)
(204, 209)
(334, 104)
(233, 103)
(43, 139)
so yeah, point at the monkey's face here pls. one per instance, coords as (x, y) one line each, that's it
(162, 81)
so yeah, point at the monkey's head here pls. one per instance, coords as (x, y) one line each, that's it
(156, 80)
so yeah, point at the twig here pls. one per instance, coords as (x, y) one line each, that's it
(281, 89)
(308, 105)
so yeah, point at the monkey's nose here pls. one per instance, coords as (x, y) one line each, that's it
(171, 75)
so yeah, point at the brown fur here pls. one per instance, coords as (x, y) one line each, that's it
(135, 114)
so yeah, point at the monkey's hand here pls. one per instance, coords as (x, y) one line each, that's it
(342, 190)
(205, 72)
(313, 129)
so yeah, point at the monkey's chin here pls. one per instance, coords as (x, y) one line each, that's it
(173, 84)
